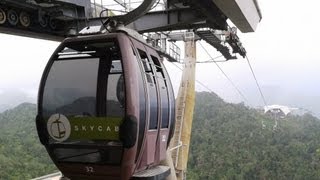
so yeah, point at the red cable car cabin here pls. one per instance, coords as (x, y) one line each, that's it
(105, 107)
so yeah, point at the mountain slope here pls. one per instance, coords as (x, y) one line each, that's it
(21, 154)
(228, 142)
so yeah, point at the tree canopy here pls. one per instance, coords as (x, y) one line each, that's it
(228, 142)
(22, 156)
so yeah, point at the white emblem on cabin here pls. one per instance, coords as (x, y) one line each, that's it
(164, 138)
(58, 127)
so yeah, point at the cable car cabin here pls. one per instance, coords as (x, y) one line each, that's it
(105, 107)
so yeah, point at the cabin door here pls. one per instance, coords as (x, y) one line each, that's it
(152, 109)
(163, 107)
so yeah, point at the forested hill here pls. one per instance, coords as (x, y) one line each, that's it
(228, 142)
(21, 154)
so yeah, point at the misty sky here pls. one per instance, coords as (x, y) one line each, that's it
(283, 51)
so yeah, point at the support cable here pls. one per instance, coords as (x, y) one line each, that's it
(262, 96)
(255, 78)
(235, 87)
(199, 82)
(212, 59)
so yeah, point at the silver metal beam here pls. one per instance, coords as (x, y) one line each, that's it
(178, 36)
(168, 20)
(245, 14)
(31, 34)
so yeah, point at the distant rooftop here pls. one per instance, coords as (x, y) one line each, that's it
(275, 108)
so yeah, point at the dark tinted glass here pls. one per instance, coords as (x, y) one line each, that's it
(153, 100)
(71, 87)
(163, 92)
(145, 60)
(116, 92)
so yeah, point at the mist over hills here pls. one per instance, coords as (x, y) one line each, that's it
(11, 98)
(273, 93)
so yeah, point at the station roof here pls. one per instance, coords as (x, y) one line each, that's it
(245, 14)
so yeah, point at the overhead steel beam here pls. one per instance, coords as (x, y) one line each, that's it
(50, 20)
(211, 12)
(245, 14)
(32, 34)
(175, 19)
(167, 20)
(188, 14)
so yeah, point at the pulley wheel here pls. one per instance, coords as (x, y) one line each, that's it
(53, 23)
(3, 16)
(13, 17)
(25, 19)
(43, 21)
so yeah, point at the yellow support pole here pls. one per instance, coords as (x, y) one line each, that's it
(189, 81)
(184, 112)
(178, 152)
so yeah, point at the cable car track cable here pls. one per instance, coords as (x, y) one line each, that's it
(257, 83)
(237, 89)
(199, 82)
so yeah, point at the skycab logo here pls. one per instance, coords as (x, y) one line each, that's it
(95, 128)
(58, 127)
(78, 128)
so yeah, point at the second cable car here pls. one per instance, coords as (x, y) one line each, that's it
(105, 107)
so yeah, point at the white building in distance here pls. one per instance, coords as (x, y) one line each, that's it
(278, 110)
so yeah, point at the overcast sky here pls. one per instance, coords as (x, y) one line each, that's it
(283, 51)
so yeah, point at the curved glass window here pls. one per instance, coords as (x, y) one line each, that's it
(84, 103)
(71, 88)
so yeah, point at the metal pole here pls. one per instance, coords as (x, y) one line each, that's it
(184, 112)
(190, 57)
